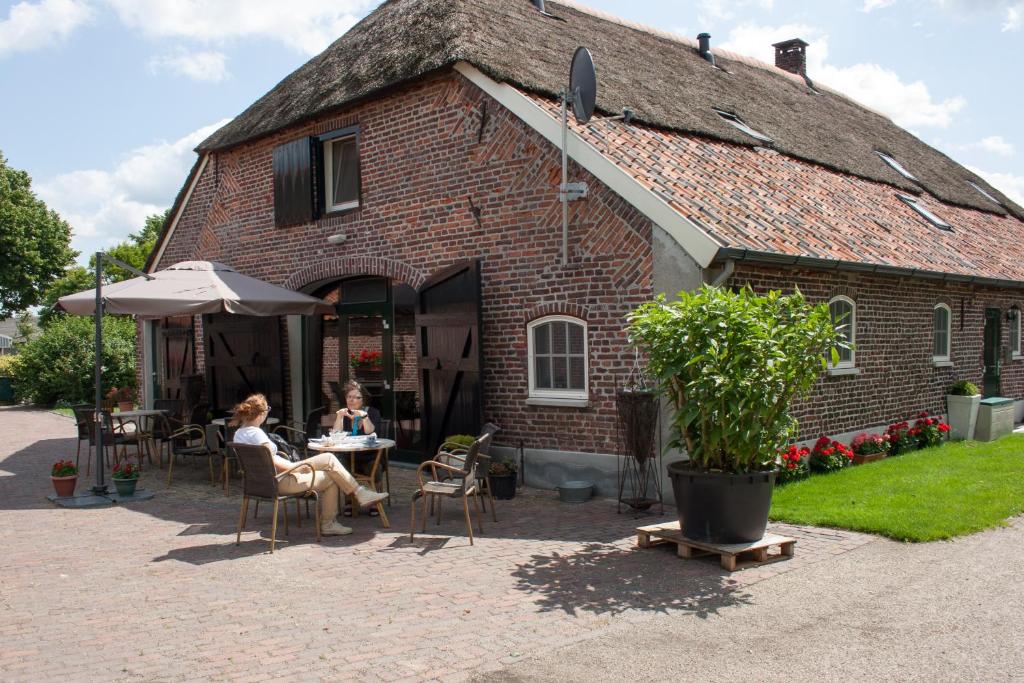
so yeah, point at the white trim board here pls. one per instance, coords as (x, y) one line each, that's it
(181, 209)
(697, 243)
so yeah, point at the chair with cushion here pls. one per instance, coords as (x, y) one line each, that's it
(259, 482)
(452, 453)
(461, 483)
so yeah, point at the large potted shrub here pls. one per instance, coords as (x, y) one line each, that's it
(962, 402)
(730, 364)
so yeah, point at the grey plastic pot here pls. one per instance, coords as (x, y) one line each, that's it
(575, 491)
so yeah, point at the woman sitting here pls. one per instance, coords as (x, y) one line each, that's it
(329, 480)
(366, 419)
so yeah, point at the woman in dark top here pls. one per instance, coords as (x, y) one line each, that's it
(367, 418)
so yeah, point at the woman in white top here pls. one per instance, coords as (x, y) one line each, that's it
(329, 478)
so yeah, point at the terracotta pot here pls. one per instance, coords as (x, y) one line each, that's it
(125, 406)
(65, 486)
(861, 459)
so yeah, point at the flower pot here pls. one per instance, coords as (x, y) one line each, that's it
(963, 415)
(125, 406)
(65, 486)
(718, 507)
(503, 486)
(126, 487)
(867, 457)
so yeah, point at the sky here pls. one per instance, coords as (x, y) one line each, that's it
(104, 101)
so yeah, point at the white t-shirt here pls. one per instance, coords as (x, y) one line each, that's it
(256, 437)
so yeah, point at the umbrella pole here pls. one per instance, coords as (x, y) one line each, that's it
(100, 489)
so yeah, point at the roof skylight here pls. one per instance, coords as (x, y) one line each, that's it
(922, 210)
(897, 166)
(738, 123)
(984, 194)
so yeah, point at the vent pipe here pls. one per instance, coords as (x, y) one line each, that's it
(539, 4)
(704, 41)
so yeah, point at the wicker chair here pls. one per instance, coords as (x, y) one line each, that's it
(193, 441)
(452, 453)
(119, 437)
(260, 483)
(300, 437)
(172, 408)
(83, 415)
(460, 484)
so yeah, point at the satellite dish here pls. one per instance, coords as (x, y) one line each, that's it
(582, 85)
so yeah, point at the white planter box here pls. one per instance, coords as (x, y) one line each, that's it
(963, 415)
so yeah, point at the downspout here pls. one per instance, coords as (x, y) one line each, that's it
(725, 274)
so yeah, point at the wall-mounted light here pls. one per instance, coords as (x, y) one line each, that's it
(337, 239)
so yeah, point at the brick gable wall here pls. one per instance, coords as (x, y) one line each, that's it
(894, 345)
(423, 161)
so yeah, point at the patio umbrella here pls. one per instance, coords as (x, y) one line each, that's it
(193, 288)
(186, 288)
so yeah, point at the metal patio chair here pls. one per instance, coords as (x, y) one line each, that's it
(460, 484)
(452, 453)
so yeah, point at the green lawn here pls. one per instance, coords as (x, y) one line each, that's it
(937, 493)
(66, 412)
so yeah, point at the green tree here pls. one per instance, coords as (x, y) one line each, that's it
(75, 279)
(35, 243)
(58, 364)
(25, 330)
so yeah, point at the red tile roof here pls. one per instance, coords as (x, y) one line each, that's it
(764, 201)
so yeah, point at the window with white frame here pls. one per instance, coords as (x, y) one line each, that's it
(844, 318)
(557, 346)
(941, 332)
(1015, 332)
(340, 170)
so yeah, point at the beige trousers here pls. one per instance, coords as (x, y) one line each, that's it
(330, 478)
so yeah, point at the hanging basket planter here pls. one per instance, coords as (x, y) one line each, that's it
(639, 484)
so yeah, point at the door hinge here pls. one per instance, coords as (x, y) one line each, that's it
(386, 326)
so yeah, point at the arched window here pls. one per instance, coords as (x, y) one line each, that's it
(844, 317)
(557, 346)
(941, 332)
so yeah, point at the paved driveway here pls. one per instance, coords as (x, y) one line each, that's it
(158, 591)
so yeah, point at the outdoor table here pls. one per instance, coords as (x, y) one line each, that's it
(223, 421)
(379, 448)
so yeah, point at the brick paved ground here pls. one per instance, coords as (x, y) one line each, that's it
(158, 591)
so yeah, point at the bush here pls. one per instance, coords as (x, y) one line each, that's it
(7, 365)
(793, 464)
(829, 456)
(58, 364)
(460, 439)
(929, 431)
(867, 443)
(963, 388)
(900, 438)
(730, 363)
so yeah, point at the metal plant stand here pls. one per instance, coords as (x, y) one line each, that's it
(640, 464)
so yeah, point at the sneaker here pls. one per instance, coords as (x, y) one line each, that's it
(365, 497)
(333, 528)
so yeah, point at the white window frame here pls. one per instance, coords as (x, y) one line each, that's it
(851, 333)
(949, 334)
(573, 397)
(896, 166)
(328, 165)
(739, 124)
(925, 213)
(984, 194)
(1015, 353)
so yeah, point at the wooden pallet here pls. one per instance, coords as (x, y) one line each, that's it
(733, 555)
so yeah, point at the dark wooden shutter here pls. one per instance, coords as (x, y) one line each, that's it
(243, 356)
(175, 356)
(451, 356)
(295, 182)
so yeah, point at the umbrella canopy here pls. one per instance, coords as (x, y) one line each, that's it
(193, 288)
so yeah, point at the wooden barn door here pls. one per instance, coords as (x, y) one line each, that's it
(175, 356)
(243, 356)
(448, 326)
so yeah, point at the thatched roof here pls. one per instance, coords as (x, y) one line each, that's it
(660, 77)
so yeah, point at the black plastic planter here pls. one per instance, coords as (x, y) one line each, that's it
(503, 486)
(716, 507)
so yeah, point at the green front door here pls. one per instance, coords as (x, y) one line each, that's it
(993, 337)
(366, 325)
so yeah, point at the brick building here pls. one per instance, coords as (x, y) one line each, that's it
(410, 173)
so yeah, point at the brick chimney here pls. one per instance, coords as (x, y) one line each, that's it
(791, 55)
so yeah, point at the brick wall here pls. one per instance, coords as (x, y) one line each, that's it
(894, 345)
(423, 160)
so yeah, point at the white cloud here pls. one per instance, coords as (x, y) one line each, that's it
(307, 26)
(870, 5)
(997, 145)
(31, 26)
(210, 67)
(1014, 15)
(711, 12)
(105, 205)
(908, 104)
(1007, 183)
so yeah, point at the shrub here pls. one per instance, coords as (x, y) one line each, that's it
(962, 388)
(929, 431)
(460, 439)
(900, 438)
(867, 443)
(829, 456)
(792, 464)
(58, 364)
(125, 470)
(730, 363)
(63, 468)
(7, 365)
